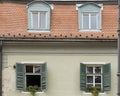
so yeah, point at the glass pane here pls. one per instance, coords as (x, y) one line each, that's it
(37, 69)
(93, 21)
(33, 80)
(85, 21)
(98, 86)
(35, 20)
(29, 69)
(90, 70)
(89, 79)
(88, 87)
(42, 20)
(97, 79)
(98, 69)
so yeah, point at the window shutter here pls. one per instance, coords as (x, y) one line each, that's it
(43, 76)
(106, 77)
(82, 77)
(20, 83)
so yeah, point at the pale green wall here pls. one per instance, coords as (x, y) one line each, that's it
(63, 64)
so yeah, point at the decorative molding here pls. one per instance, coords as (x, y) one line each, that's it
(32, 62)
(94, 62)
(50, 5)
(80, 5)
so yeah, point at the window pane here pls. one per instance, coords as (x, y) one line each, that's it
(29, 69)
(93, 21)
(37, 69)
(32, 80)
(42, 20)
(88, 87)
(89, 70)
(89, 79)
(98, 86)
(97, 79)
(35, 20)
(98, 69)
(85, 21)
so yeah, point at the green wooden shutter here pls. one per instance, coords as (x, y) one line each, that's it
(82, 77)
(106, 77)
(20, 83)
(43, 77)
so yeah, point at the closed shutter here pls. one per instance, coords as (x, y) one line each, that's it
(20, 75)
(82, 77)
(43, 77)
(106, 77)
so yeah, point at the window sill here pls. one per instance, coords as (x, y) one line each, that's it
(36, 92)
(38, 31)
(91, 93)
(89, 30)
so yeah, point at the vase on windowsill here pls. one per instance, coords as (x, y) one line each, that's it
(94, 90)
(32, 89)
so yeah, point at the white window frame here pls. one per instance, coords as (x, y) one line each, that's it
(94, 63)
(94, 74)
(84, 8)
(89, 25)
(31, 63)
(39, 12)
(33, 73)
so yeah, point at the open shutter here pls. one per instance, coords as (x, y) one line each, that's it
(20, 83)
(82, 77)
(43, 77)
(106, 77)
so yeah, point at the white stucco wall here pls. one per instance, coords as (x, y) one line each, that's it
(63, 66)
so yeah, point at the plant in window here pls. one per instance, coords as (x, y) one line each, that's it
(94, 90)
(33, 89)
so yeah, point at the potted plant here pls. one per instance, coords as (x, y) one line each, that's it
(33, 89)
(94, 90)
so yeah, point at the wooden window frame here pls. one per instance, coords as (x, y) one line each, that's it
(39, 19)
(106, 75)
(90, 21)
(21, 75)
(95, 74)
(33, 73)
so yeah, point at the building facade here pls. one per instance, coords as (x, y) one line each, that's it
(62, 47)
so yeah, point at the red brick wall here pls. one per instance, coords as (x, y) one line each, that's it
(64, 22)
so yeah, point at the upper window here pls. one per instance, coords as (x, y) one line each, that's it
(38, 20)
(39, 17)
(94, 75)
(28, 75)
(89, 17)
(89, 21)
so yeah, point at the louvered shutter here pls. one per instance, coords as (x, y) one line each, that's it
(43, 77)
(20, 75)
(106, 77)
(82, 77)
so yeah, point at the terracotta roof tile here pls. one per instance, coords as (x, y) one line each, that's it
(64, 23)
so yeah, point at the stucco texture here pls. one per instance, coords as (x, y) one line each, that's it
(63, 67)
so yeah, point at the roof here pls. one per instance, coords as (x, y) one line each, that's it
(81, 0)
(64, 25)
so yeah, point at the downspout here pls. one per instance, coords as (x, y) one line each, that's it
(1, 45)
(118, 74)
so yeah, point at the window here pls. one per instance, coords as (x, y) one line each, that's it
(89, 21)
(31, 75)
(39, 16)
(39, 20)
(89, 16)
(95, 76)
